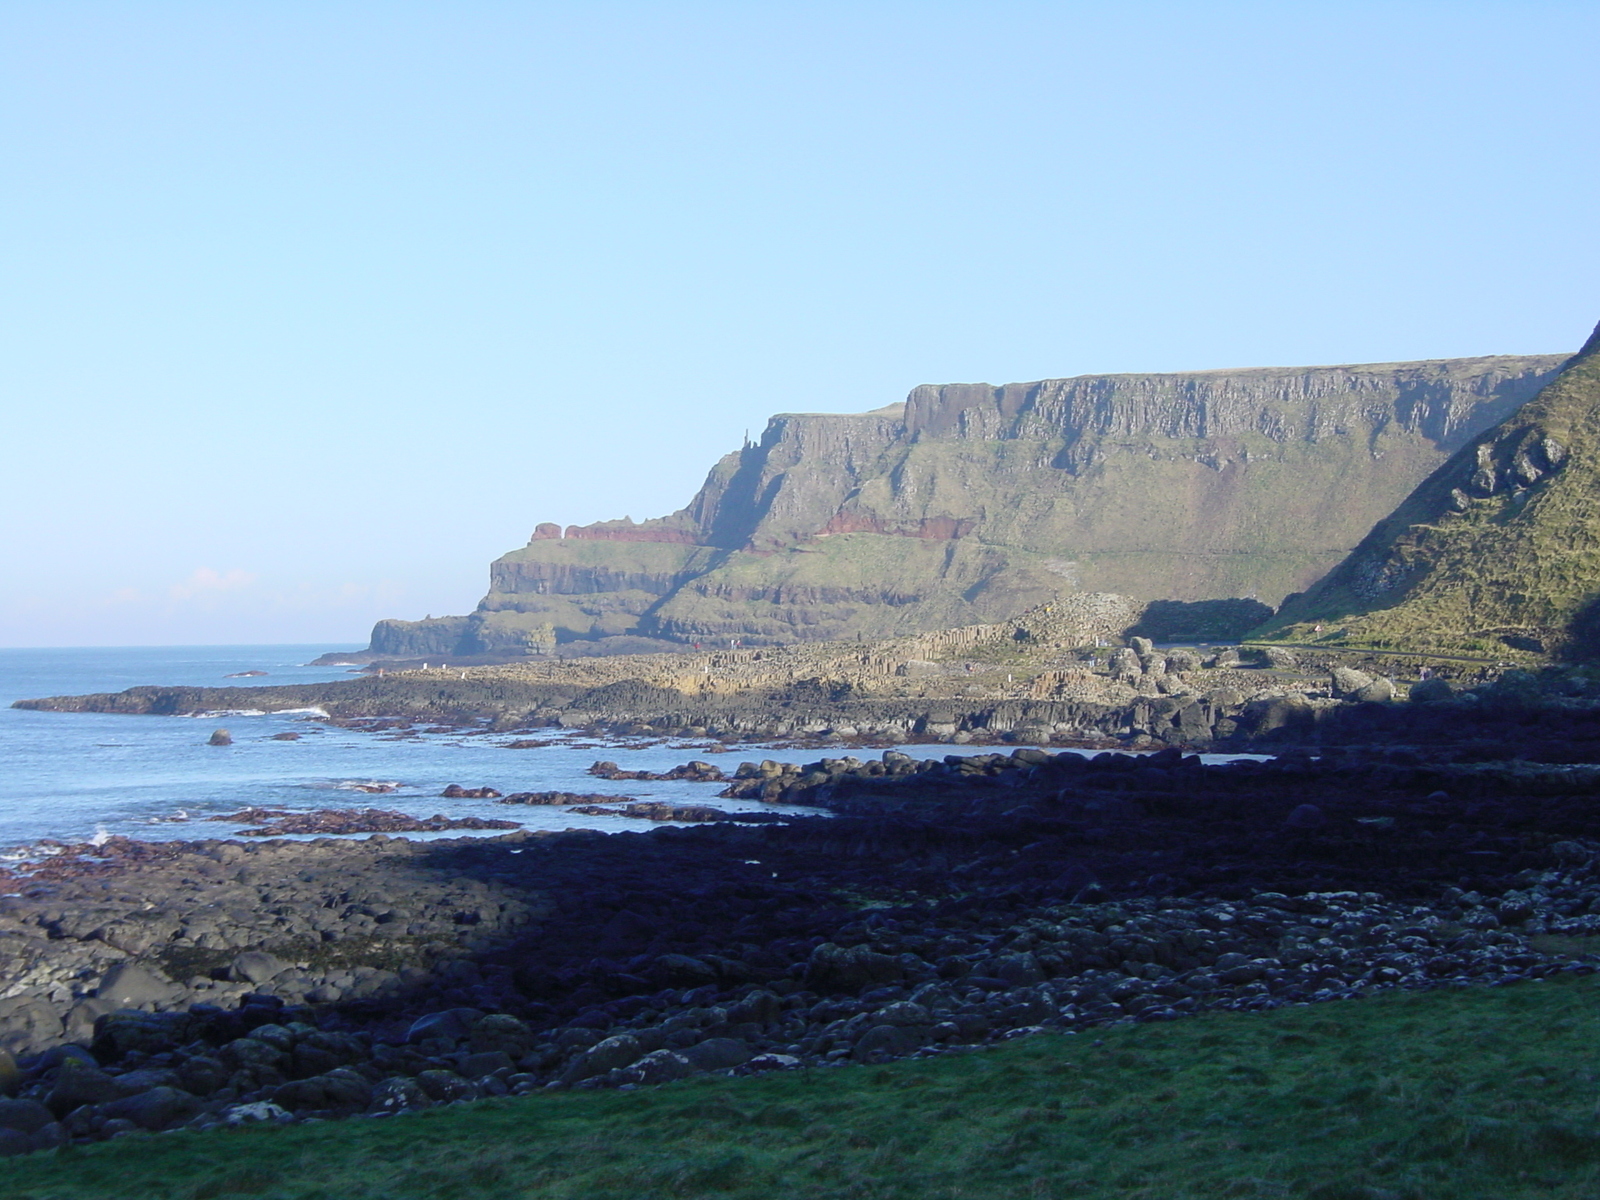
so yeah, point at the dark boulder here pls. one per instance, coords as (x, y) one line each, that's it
(156, 1109)
(255, 966)
(717, 1054)
(398, 1095)
(78, 1084)
(342, 1090)
(27, 1116)
(452, 1025)
(834, 968)
(623, 1050)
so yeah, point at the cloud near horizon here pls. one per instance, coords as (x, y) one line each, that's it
(207, 581)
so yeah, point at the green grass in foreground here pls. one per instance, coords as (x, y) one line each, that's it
(1480, 1093)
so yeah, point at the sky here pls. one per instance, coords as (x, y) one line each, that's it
(310, 310)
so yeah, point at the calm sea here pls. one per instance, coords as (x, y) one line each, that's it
(71, 776)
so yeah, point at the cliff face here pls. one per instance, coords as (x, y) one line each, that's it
(1497, 549)
(971, 503)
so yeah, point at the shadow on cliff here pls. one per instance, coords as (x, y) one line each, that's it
(1200, 620)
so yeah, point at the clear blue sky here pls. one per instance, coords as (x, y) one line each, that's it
(312, 309)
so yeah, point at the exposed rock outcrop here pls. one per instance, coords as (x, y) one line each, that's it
(971, 503)
(1497, 551)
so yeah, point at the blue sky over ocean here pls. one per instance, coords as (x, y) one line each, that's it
(311, 309)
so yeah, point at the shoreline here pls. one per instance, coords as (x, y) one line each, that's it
(947, 906)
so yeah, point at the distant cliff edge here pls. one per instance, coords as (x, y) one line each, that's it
(971, 503)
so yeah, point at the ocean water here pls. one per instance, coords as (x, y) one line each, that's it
(73, 776)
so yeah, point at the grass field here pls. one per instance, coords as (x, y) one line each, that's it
(1444, 1095)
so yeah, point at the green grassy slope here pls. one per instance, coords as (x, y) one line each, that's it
(1501, 542)
(1463, 1094)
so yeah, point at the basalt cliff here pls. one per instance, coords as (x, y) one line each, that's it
(971, 503)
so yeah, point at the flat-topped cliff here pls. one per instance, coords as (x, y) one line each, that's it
(970, 503)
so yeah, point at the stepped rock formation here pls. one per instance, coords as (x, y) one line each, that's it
(1499, 548)
(970, 503)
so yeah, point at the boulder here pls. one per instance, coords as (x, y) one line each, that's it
(890, 1040)
(485, 1062)
(661, 1066)
(1291, 711)
(398, 1095)
(130, 985)
(1432, 691)
(53, 1058)
(834, 968)
(773, 1062)
(1306, 816)
(255, 966)
(1379, 691)
(202, 1075)
(12, 1142)
(503, 1032)
(1018, 970)
(145, 1078)
(220, 737)
(1183, 660)
(28, 1025)
(84, 1016)
(78, 1084)
(622, 1050)
(451, 1025)
(1125, 665)
(444, 1086)
(253, 1113)
(126, 1030)
(10, 1073)
(343, 1090)
(157, 1109)
(51, 1137)
(1280, 658)
(26, 1116)
(717, 1054)
(1347, 681)
(905, 1014)
(247, 1053)
(681, 971)
(758, 1008)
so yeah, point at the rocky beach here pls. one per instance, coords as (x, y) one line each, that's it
(944, 902)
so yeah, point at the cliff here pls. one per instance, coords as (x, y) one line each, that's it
(971, 503)
(1496, 551)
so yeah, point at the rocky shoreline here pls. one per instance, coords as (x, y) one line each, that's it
(1038, 679)
(947, 902)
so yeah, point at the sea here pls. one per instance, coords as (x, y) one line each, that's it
(74, 777)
